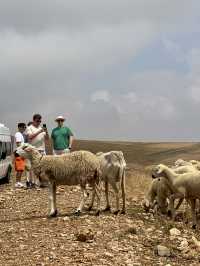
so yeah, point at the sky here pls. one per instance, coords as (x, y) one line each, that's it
(117, 70)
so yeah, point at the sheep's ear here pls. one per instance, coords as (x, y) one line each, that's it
(159, 169)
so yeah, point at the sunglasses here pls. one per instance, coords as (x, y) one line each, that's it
(38, 121)
(60, 120)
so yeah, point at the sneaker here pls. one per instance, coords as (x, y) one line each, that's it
(19, 185)
(30, 184)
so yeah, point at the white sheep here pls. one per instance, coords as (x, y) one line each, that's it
(77, 168)
(185, 169)
(157, 195)
(183, 186)
(113, 172)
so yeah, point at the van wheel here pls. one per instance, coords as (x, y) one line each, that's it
(7, 178)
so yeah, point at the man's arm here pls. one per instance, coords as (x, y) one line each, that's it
(33, 135)
(71, 140)
(47, 134)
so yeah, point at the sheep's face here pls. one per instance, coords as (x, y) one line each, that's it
(157, 171)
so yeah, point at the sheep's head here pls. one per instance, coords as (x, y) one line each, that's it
(180, 162)
(25, 150)
(146, 205)
(158, 171)
(194, 162)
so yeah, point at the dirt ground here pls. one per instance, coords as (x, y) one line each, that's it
(29, 237)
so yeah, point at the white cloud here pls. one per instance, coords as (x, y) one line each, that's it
(100, 95)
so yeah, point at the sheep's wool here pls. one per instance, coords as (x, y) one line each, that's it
(78, 167)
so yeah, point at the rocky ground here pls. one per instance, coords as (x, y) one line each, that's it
(29, 237)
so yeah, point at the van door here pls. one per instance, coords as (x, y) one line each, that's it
(1, 171)
(2, 164)
(4, 160)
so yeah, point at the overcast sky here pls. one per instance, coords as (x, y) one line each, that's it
(121, 70)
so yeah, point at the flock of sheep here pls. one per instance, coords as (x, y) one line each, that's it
(181, 181)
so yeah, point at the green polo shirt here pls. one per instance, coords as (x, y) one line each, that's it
(60, 137)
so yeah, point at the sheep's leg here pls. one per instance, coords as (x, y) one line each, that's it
(171, 203)
(116, 190)
(52, 199)
(179, 203)
(107, 197)
(84, 196)
(123, 193)
(171, 210)
(193, 211)
(98, 193)
(92, 200)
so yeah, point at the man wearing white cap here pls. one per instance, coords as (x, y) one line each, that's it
(62, 137)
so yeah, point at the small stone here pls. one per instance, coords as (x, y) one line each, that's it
(85, 236)
(150, 229)
(175, 232)
(22, 246)
(108, 254)
(184, 246)
(163, 251)
(66, 218)
(129, 221)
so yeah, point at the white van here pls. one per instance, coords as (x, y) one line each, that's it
(5, 153)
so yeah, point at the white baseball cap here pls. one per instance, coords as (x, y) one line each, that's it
(60, 117)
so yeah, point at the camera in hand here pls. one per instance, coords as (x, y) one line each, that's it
(44, 126)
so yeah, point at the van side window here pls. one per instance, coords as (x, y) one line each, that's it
(8, 148)
(3, 150)
(4, 146)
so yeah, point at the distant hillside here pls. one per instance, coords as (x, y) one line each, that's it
(144, 153)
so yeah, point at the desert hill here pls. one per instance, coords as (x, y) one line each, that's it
(145, 153)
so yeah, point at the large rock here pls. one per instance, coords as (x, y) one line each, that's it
(163, 251)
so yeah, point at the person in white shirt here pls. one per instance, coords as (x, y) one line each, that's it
(19, 162)
(36, 134)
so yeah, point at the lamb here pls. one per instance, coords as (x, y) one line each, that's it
(158, 193)
(77, 168)
(113, 171)
(183, 186)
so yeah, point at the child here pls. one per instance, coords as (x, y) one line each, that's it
(19, 168)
